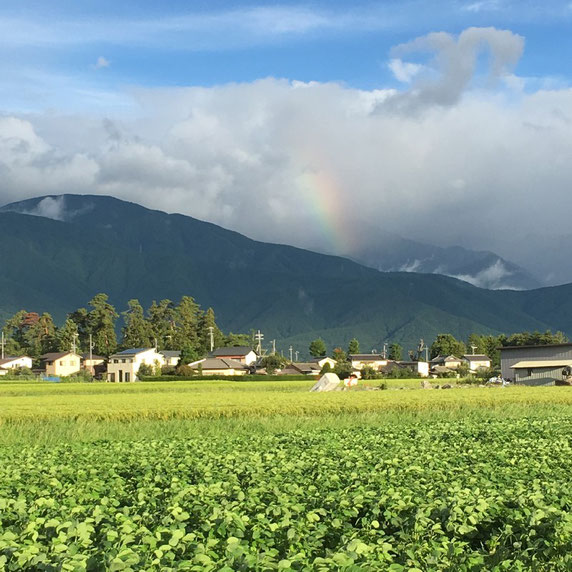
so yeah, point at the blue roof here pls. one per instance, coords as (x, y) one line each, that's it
(132, 351)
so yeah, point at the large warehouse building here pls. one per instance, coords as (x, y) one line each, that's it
(536, 365)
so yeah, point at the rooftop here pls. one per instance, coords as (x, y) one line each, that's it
(56, 355)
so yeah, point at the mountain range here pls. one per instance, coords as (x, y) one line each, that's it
(59, 251)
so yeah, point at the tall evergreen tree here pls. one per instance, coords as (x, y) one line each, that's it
(207, 321)
(317, 348)
(162, 321)
(67, 336)
(395, 352)
(40, 337)
(353, 346)
(187, 315)
(101, 323)
(137, 330)
(13, 329)
(81, 319)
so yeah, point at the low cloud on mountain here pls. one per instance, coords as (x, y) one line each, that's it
(467, 153)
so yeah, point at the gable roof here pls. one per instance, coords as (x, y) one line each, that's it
(232, 351)
(11, 359)
(57, 355)
(477, 357)
(133, 351)
(93, 356)
(171, 353)
(218, 363)
(367, 357)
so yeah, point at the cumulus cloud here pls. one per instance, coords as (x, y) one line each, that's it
(454, 63)
(322, 165)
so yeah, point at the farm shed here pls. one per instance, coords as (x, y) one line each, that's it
(535, 365)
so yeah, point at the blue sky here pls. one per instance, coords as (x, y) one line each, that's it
(51, 50)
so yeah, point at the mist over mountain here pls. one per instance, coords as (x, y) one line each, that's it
(480, 268)
(59, 251)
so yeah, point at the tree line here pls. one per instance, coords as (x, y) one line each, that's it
(447, 344)
(165, 324)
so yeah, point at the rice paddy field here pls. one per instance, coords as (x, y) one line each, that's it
(268, 476)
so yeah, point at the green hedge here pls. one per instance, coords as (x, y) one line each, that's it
(253, 377)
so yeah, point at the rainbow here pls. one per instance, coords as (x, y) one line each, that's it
(323, 197)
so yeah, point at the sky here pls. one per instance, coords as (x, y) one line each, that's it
(324, 125)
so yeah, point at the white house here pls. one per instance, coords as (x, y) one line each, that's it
(321, 361)
(477, 361)
(9, 363)
(451, 362)
(124, 366)
(359, 361)
(171, 357)
(61, 364)
(243, 354)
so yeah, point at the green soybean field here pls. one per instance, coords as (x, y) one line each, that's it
(388, 490)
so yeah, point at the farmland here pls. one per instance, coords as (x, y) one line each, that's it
(266, 476)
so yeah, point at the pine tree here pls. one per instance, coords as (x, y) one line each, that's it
(137, 330)
(40, 337)
(208, 321)
(187, 314)
(395, 352)
(317, 348)
(101, 323)
(162, 322)
(353, 346)
(67, 336)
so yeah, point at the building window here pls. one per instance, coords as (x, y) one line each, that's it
(61, 363)
(529, 372)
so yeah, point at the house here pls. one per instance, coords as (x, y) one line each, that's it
(243, 354)
(452, 362)
(220, 366)
(304, 368)
(536, 365)
(8, 363)
(171, 357)
(477, 361)
(321, 361)
(61, 364)
(359, 361)
(93, 363)
(124, 366)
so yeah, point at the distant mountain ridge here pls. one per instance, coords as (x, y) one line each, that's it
(484, 269)
(59, 251)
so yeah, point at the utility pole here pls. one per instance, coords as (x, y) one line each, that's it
(290, 350)
(211, 334)
(259, 337)
(384, 351)
(73, 344)
(273, 347)
(90, 347)
(3, 342)
(296, 354)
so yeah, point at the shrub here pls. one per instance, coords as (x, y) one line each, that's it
(368, 372)
(184, 371)
(146, 369)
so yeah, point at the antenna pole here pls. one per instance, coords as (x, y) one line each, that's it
(290, 350)
(211, 334)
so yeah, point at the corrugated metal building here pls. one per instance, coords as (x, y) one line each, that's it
(535, 365)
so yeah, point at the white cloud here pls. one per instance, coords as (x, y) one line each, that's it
(404, 71)
(315, 165)
(101, 63)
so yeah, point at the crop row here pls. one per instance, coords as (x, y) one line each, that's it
(200, 404)
(443, 496)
